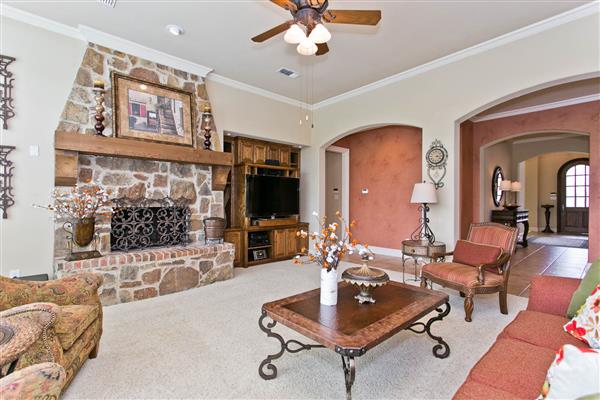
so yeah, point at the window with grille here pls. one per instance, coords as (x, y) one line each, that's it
(577, 186)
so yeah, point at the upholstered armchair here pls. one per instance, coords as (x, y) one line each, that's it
(72, 307)
(21, 331)
(480, 264)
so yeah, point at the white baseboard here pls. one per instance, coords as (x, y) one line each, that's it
(384, 251)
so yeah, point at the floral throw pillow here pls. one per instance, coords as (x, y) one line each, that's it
(573, 374)
(585, 326)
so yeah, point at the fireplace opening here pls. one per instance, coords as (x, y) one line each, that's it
(149, 223)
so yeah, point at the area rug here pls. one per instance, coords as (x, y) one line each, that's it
(561, 241)
(205, 344)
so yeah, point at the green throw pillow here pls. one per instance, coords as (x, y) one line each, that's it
(588, 283)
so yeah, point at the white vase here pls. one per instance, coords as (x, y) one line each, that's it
(329, 287)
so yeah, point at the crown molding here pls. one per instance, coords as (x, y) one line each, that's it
(138, 50)
(258, 91)
(540, 26)
(540, 107)
(40, 22)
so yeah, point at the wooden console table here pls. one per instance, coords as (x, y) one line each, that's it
(512, 218)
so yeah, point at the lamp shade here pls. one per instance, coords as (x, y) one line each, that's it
(515, 186)
(307, 47)
(295, 34)
(424, 193)
(320, 34)
(505, 185)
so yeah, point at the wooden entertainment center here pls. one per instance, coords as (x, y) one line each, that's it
(259, 241)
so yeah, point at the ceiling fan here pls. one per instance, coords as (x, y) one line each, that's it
(306, 29)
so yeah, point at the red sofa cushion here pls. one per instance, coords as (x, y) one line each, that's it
(540, 329)
(475, 254)
(478, 391)
(514, 366)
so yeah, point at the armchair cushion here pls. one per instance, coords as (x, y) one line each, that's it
(461, 274)
(475, 254)
(73, 321)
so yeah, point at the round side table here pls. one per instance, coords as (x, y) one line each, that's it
(420, 249)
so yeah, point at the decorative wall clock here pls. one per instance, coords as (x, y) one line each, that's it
(437, 158)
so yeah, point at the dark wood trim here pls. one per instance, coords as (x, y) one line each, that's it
(560, 189)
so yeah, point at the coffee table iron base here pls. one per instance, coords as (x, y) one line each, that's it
(440, 350)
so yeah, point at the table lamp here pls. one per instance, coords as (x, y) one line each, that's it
(424, 194)
(505, 186)
(515, 187)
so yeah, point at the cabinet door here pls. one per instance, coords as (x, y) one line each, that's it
(278, 243)
(291, 242)
(260, 153)
(284, 156)
(273, 153)
(235, 237)
(245, 152)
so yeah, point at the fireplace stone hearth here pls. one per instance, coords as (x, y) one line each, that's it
(150, 273)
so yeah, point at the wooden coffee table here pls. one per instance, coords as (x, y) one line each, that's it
(350, 328)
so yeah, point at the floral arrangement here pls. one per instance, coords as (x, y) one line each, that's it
(329, 249)
(79, 202)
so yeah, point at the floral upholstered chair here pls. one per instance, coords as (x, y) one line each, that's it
(39, 381)
(480, 264)
(72, 306)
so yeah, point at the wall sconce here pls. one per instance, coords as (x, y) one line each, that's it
(6, 86)
(207, 122)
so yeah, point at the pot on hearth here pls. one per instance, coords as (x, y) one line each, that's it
(82, 230)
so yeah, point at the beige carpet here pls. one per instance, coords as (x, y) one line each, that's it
(205, 343)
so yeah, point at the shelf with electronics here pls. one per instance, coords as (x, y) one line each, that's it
(260, 240)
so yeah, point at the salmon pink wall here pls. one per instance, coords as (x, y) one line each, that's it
(582, 118)
(387, 161)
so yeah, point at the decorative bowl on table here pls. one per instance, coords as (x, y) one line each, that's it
(366, 279)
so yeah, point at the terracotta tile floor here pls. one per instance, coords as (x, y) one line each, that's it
(526, 262)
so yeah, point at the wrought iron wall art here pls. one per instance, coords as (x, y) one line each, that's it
(149, 223)
(6, 86)
(437, 158)
(6, 173)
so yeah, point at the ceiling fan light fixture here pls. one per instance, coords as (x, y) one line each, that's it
(320, 34)
(307, 47)
(295, 34)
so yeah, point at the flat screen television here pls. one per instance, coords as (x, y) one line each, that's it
(268, 196)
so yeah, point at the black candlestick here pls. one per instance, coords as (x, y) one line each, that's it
(547, 229)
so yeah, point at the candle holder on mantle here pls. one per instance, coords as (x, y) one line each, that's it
(207, 122)
(99, 98)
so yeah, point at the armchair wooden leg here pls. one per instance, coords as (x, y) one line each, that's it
(503, 303)
(468, 307)
(94, 352)
(423, 282)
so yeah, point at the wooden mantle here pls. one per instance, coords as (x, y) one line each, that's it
(70, 145)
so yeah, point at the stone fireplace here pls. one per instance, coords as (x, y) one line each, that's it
(152, 193)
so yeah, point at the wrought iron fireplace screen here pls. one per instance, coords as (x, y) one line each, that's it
(149, 223)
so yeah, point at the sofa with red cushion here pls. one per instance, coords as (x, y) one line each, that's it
(515, 366)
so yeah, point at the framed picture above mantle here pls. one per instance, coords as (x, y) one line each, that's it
(151, 111)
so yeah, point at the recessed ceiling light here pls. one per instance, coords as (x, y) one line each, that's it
(174, 30)
(143, 87)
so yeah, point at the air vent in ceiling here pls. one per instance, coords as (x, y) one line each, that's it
(288, 72)
(108, 3)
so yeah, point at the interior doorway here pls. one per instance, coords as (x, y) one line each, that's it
(573, 196)
(337, 181)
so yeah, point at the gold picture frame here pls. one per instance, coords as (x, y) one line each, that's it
(153, 112)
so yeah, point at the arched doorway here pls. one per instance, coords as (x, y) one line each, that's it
(573, 196)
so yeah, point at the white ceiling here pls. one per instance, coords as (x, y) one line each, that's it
(217, 35)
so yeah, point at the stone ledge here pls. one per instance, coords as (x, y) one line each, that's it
(154, 272)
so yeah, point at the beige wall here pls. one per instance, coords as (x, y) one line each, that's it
(439, 98)
(44, 71)
(333, 180)
(530, 188)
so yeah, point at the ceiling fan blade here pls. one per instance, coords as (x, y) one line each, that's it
(271, 32)
(287, 4)
(357, 17)
(322, 49)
